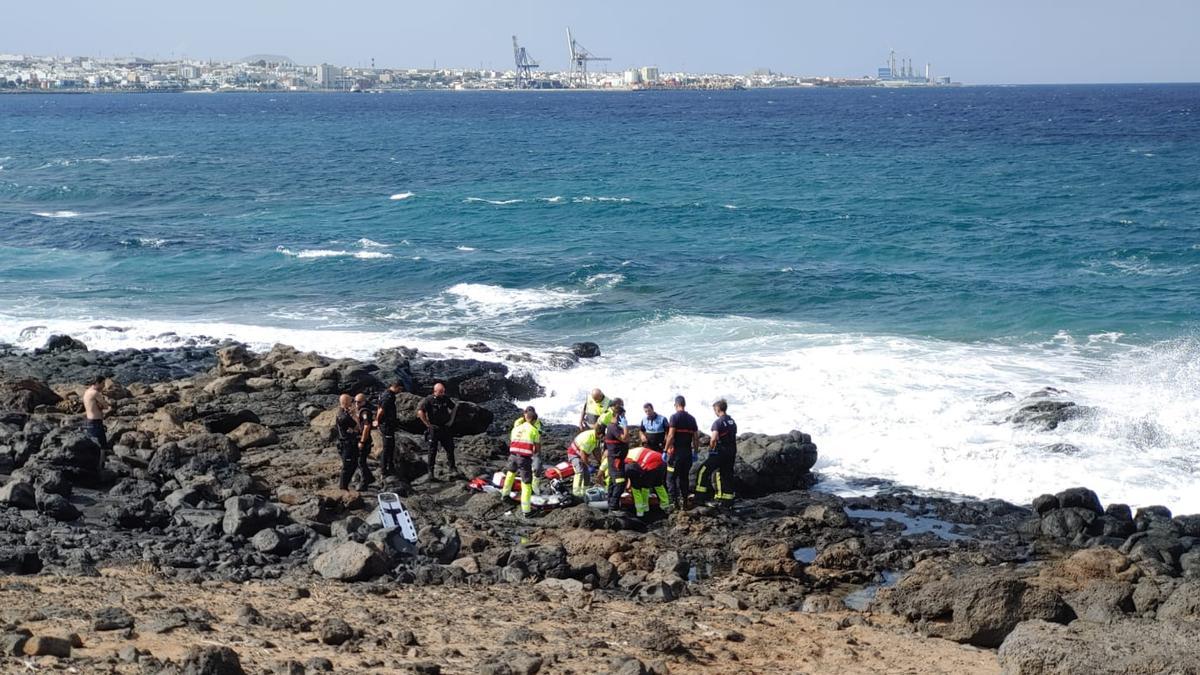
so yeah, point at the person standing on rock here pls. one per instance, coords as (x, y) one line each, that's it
(616, 445)
(653, 429)
(387, 421)
(716, 474)
(524, 444)
(365, 415)
(682, 442)
(437, 413)
(94, 407)
(347, 439)
(595, 406)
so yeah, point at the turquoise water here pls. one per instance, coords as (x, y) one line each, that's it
(864, 264)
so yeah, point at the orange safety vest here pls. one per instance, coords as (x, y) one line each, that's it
(646, 458)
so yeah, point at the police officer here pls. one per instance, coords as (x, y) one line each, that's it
(437, 412)
(347, 439)
(387, 422)
(653, 430)
(364, 417)
(525, 442)
(683, 441)
(717, 471)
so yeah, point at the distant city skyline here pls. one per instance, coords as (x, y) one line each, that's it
(1021, 41)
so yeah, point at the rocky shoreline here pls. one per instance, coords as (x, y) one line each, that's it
(223, 475)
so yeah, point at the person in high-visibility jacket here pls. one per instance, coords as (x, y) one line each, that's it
(580, 454)
(525, 442)
(595, 406)
(616, 444)
(646, 470)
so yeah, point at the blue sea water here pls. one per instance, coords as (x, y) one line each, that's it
(867, 265)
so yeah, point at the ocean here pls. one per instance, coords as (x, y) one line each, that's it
(867, 265)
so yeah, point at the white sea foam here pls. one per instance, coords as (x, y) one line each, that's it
(494, 202)
(57, 214)
(332, 253)
(603, 280)
(467, 249)
(913, 410)
(905, 409)
(485, 307)
(400, 196)
(552, 200)
(368, 243)
(146, 242)
(587, 199)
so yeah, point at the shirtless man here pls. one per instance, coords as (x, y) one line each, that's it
(94, 407)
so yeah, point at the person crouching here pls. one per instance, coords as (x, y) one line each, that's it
(525, 442)
(646, 470)
(580, 454)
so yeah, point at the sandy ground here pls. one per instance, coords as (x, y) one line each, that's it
(461, 630)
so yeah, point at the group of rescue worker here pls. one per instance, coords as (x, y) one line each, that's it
(657, 461)
(660, 463)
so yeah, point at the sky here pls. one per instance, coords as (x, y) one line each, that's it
(974, 41)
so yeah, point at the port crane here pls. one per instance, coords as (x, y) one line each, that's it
(579, 61)
(525, 65)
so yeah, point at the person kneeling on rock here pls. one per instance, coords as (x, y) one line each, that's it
(645, 470)
(524, 444)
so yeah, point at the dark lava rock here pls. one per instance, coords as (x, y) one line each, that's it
(335, 632)
(979, 606)
(212, 661)
(1045, 503)
(112, 618)
(767, 464)
(247, 514)
(57, 507)
(26, 395)
(64, 343)
(18, 494)
(585, 350)
(1135, 647)
(1080, 497)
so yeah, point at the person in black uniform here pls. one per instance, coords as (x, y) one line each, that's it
(386, 421)
(437, 412)
(616, 445)
(683, 440)
(716, 473)
(347, 439)
(364, 416)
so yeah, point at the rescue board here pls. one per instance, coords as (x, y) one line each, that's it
(393, 514)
